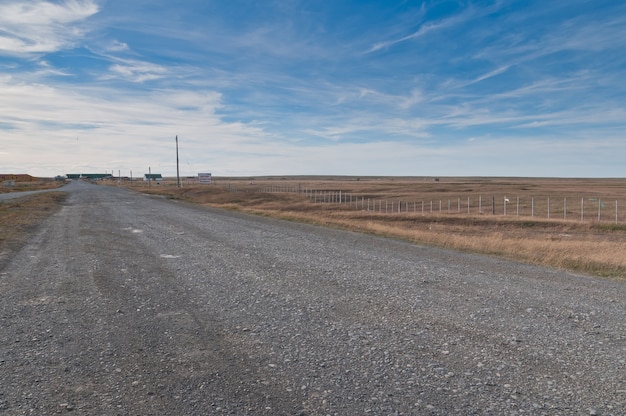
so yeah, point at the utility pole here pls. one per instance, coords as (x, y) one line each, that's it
(177, 170)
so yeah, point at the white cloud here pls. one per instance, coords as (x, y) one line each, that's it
(35, 27)
(52, 129)
(117, 46)
(137, 71)
(469, 13)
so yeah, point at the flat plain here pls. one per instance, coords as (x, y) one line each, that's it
(574, 224)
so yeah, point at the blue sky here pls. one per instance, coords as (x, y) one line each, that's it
(286, 87)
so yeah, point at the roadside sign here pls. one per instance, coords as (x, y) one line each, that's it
(205, 178)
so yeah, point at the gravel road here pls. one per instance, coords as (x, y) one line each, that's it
(126, 304)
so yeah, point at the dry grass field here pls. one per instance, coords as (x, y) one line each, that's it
(31, 186)
(542, 223)
(19, 217)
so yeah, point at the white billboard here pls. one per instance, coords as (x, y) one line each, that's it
(204, 178)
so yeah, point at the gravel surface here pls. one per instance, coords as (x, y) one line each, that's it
(126, 304)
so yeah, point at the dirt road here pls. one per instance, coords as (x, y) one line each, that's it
(126, 304)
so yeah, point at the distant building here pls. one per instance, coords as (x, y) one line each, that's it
(155, 177)
(90, 176)
(17, 177)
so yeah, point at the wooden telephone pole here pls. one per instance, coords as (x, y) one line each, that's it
(177, 170)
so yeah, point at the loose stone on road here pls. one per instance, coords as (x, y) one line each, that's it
(124, 303)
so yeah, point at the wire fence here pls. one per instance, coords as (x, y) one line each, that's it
(541, 207)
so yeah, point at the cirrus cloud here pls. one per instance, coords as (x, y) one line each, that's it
(41, 27)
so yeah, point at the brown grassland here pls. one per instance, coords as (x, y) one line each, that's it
(31, 186)
(542, 224)
(20, 217)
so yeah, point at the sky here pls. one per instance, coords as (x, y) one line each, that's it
(528, 88)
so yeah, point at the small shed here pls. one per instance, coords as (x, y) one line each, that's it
(153, 177)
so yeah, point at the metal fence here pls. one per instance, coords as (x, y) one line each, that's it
(540, 207)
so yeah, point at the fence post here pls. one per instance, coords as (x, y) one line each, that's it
(532, 206)
(582, 209)
(548, 207)
(565, 208)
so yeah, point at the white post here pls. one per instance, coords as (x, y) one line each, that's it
(582, 209)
